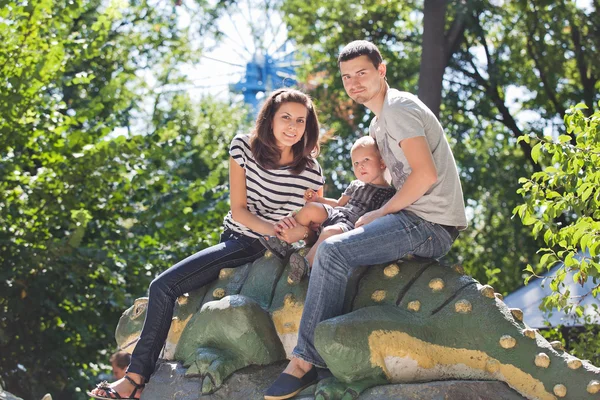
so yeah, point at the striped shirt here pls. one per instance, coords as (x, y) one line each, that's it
(271, 194)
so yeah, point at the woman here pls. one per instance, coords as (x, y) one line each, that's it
(269, 171)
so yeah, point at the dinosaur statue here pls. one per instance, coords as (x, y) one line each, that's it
(411, 321)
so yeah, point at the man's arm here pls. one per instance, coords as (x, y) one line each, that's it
(423, 175)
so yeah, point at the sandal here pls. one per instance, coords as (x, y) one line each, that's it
(276, 246)
(299, 268)
(114, 394)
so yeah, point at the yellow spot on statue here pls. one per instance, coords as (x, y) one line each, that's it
(560, 390)
(574, 363)
(542, 360)
(508, 342)
(499, 296)
(378, 296)
(290, 281)
(268, 254)
(436, 284)
(487, 291)
(414, 305)
(219, 293)
(530, 333)
(226, 273)
(391, 270)
(459, 269)
(492, 365)
(463, 306)
(182, 300)
(593, 387)
(517, 314)
(557, 345)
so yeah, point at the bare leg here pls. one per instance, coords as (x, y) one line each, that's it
(297, 367)
(310, 213)
(328, 231)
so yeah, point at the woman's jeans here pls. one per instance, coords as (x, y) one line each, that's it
(386, 239)
(195, 271)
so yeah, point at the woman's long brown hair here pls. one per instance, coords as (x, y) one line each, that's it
(263, 143)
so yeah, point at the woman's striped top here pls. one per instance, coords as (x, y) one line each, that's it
(271, 194)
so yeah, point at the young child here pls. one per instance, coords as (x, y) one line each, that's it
(369, 192)
(269, 172)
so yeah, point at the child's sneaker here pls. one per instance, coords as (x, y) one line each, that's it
(299, 267)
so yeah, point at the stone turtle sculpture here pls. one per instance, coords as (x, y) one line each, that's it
(411, 321)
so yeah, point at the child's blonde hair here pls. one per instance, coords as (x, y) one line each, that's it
(365, 141)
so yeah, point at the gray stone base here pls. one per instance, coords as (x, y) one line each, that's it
(169, 383)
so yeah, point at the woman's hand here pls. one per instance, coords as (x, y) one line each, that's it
(284, 224)
(369, 217)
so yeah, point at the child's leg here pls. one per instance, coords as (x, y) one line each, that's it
(328, 231)
(311, 212)
(301, 265)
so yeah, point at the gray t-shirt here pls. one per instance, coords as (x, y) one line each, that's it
(404, 116)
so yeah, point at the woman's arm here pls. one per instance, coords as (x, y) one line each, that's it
(237, 198)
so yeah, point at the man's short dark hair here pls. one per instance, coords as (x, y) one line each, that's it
(359, 48)
(121, 358)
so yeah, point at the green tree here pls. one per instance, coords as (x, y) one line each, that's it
(489, 77)
(562, 204)
(97, 194)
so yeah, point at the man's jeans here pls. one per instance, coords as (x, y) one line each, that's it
(386, 239)
(195, 271)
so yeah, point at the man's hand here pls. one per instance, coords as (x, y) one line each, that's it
(369, 217)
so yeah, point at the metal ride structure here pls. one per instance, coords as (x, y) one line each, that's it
(253, 46)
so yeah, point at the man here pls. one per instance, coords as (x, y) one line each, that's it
(423, 218)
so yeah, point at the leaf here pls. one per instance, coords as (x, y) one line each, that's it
(535, 152)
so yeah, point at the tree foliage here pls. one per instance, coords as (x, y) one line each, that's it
(562, 204)
(97, 194)
(509, 67)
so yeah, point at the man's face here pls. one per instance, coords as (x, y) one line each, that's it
(362, 81)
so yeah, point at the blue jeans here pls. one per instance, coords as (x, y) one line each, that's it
(386, 239)
(234, 250)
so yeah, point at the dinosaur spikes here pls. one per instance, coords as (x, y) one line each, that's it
(517, 314)
(226, 273)
(557, 345)
(487, 291)
(499, 296)
(414, 305)
(560, 390)
(391, 270)
(530, 333)
(219, 293)
(574, 363)
(463, 306)
(593, 387)
(378, 296)
(436, 284)
(459, 269)
(508, 342)
(542, 360)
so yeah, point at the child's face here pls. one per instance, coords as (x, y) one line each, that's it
(367, 164)
(289, 123)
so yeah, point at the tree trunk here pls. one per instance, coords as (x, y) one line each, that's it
(433, 57)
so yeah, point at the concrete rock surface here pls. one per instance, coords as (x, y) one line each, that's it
(170, 383)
